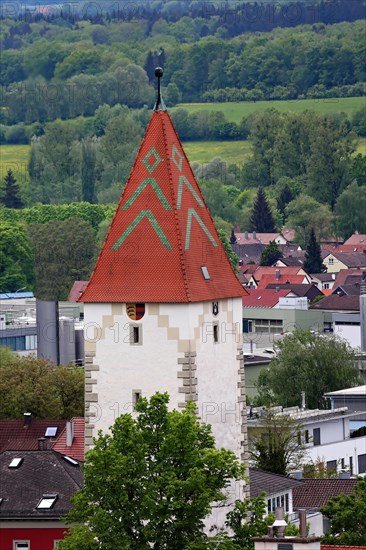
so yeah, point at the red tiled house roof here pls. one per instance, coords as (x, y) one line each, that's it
(264, 297)
(281, 280)
(162, 233)
(76, 450)
(15, 436)
(356, 239)
(313, 493)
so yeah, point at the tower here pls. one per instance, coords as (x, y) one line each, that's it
(163, 307)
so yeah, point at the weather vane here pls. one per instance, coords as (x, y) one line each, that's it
(159, 105)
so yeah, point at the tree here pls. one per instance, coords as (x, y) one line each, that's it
(275, 446)
(58, 265)
(313, 256)
(40, 387)
(304, 213)
(350, 211)
(248, 519)
(310, 363)
(232, 237)
(151, 482)
(347, 517)
(16, 257)
(88, 171)
(11, 198)
(271, 254)
(261, 219)
(284, 198)
(233, 258)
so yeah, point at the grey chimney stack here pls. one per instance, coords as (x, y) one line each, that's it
(69, 433)
(302, 523)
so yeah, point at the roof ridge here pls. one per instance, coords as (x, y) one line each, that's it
(174, 205)
(59, 457)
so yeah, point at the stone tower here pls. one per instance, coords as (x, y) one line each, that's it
(163, 307)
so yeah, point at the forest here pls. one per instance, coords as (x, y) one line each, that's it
(77, 91)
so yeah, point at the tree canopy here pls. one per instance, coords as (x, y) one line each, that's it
(347, 517)
(38, 386)
(313, 257)
(16, 257)
(311, 363)
(150, 482)
(271, 254)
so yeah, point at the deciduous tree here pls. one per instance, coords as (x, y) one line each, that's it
(271, 254)
(311, 363)
(151, 482)
(16, 257)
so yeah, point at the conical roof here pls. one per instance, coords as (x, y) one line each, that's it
(162, 245)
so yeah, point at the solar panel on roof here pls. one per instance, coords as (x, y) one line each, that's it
(51, 431)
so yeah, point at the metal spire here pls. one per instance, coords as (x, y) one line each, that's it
(159, 105)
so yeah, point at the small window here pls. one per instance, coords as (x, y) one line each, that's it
(287, 505)
(46, 502)
(56, 543)
(21, 545)
(331, 261)
(331, 466)
(136, 395)
(306, 436)
(205, 273)
(326, 286)
(51, 431)
(316, 436)
(216, 332)
(269, 507)
(351, 465)
(15, 463)
(71, 460)
(135, 334)
(342, 463)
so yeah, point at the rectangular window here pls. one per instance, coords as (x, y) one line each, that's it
(287, 505)
(277, 501)
(269, 507)
(316, 436)
(331, 261)
(342, 463)
(283, 501)
(361, 464)
(331, 466)
(21, 545)
(216, 332)
(351, 465)
(136, 395)
(135, 334)
(306, 436)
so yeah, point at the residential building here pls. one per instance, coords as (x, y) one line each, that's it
(324, 281)
(309, 291)
(35, 492)
(264, 276)
(278, 489)
(352, 398)
(262, 238)
(335, 261)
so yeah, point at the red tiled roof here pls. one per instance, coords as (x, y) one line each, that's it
(264, 270)
(356, 239)
(314, 493)
(14, 436)
(344, 274)
(162, 233)
(76, 451)
(263, 238)
(283, 279)
(264, 297)
(76, 290)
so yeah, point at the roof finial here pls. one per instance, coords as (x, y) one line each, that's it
(159, 105)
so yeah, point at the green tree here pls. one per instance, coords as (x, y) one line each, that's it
(275, 446)
(11, 198)
(313, 256)
(271, 254)
(88, 159)
(310, 363)
(350, 211)
(151, 482)
(248, 519)
(284, 198)
(58, 265)
(38, 386)
(16, 257)
(347, 517)
(262, 219)
(305, 213)
(233, 258)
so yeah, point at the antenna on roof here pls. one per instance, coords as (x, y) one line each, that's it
(159, 105)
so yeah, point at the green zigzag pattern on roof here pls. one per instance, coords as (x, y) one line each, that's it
(154, 223)
(192, 213)
(154, 184)
(183, 180)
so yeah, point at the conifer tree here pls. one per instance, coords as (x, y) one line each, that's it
(284, 198)
(313, 259)
(88, 171)
(261, 219)
(11, 195)
(271, 254)
(149, 66)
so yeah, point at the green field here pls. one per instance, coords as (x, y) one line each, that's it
(234, 112)
(234, 152)
(15, 157)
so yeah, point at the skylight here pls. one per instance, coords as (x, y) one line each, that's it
(51, 431)
(205, 273)
(71, 460)
(46, 502)
(15, 463)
